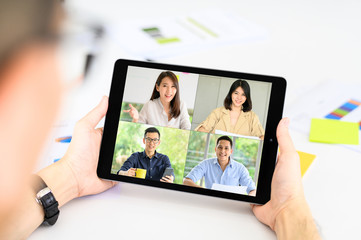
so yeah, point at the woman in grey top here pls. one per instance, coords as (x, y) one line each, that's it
(164, 107)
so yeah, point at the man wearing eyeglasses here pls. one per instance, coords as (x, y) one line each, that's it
(155, 163)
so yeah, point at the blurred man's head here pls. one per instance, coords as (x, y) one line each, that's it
(23, 23)
(30, 89)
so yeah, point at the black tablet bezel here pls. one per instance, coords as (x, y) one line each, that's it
(270, 146)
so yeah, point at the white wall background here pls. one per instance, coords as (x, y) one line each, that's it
(140, 83)
(212, 91)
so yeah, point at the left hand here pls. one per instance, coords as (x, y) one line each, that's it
(83, 152)
(168, 179)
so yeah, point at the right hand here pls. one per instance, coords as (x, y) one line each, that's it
(131, 172)
(286, 185)
(133, 112)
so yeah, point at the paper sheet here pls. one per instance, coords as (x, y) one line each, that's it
(57, 144)
(161, 37)
(220, 132)
(322, 100)
(232, 189)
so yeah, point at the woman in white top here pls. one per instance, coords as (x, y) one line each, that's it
(164, 107)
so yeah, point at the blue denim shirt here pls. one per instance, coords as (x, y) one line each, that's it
(235, 174)
(155, 166)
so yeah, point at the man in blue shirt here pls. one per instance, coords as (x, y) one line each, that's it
(155, 163)
(222, 169)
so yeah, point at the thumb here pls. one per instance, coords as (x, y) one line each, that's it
(95, 115)
(283, 137)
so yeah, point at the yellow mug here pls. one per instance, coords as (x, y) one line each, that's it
(140, 173)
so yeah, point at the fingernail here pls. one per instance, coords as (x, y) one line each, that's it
(285, 122)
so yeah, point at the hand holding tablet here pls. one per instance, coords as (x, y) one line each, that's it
(181, 99)
(180, 110)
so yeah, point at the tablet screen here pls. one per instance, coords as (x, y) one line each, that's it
(189, 128)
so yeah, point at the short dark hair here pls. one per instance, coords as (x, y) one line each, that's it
(151, 130)
(247, 106)
(25, 21)
(175, 103)
(225, 138)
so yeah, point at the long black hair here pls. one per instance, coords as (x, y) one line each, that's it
(247, 105)
(175, 103)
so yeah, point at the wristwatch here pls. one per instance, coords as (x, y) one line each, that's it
(46, 199)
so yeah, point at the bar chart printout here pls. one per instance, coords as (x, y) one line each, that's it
(334, 102)
(344, 109)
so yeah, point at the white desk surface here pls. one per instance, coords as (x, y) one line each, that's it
(309, 42)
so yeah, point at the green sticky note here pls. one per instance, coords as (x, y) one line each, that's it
(334, 131)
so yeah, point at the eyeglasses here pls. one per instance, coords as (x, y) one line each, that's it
(155, 140)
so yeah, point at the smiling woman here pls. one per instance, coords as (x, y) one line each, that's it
(236, 115)
(164, 107)
(166, 89)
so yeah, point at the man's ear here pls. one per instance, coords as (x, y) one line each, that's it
(143, 140)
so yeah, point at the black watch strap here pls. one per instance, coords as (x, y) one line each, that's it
(46, 199)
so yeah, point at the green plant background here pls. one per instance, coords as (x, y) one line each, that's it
(174, 144)
(244, 151)
(184, 148)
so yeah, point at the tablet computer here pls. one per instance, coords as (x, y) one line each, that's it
(216, 129)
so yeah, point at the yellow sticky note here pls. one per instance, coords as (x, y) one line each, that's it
(305, 159)
(334, 131)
